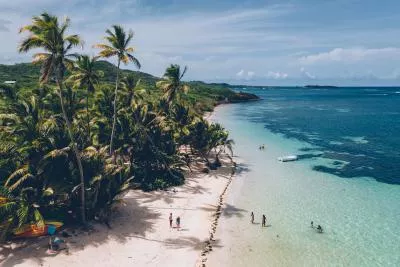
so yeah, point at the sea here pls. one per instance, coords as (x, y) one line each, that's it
(346, 178)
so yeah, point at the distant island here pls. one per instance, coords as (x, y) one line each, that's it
(320, 86)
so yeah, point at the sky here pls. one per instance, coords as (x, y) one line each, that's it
(270, 42)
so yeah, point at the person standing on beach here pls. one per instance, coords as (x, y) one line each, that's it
(252, 217)
(170, 220)
(178, 222)
(264, 220)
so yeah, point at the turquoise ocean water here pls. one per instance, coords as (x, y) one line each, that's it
(347, 179)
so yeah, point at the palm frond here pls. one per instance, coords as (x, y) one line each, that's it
(20, 181)
(56, 153)
(134, 60)
(19, 172)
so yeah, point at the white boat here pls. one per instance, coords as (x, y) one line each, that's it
(288, 158)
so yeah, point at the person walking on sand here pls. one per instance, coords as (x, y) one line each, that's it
(178, 222)
(170, 220)
(252, 217)
(264, 220)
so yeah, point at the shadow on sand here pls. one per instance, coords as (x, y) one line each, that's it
(134, 219)
(122, 229)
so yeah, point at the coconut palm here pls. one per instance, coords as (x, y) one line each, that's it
(117, 46)
(47, 33)
(85, 75)
(180, 118)
(131, 86)
(172, 83)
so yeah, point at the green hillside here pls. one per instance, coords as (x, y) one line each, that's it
(202, 95)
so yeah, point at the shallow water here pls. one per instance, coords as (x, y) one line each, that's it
(358, 125)
(360, 215)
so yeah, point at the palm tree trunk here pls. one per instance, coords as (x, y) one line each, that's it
(74, 147)
(115, 110)
(87, 114)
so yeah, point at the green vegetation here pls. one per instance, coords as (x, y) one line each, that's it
(77, 133)
(202, 96)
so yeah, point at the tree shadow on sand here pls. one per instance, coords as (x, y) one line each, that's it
(227, 210)
(232, 211)
(189, 242)
(167, 197)
(195, 189)
(242, 168)
(209, 208)
(131, 218)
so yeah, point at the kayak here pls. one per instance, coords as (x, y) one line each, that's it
(34, 230)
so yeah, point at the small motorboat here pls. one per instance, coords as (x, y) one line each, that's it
(288, 158)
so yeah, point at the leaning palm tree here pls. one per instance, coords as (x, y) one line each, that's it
(117, 45)
(172, 83)
(48, 33)
(85, 75)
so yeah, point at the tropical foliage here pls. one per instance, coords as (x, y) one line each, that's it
(117, 46)
(56, 137)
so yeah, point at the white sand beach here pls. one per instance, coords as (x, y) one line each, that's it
(140, 234)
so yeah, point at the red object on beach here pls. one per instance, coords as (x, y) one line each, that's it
(34, 230)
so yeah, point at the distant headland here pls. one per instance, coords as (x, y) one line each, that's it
(320, 86)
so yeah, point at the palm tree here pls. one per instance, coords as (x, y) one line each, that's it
(47, 33)
(131, 86)
(172, 84)
(84, 74)
(117, 45)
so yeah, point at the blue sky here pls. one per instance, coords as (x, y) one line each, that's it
(293, 42)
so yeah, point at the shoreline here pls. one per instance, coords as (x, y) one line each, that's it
(217, 214)
(142, 222)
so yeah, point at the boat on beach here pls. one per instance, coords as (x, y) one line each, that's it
(288, 158)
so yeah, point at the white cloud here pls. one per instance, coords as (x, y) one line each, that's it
(276, 75)
(306, 74)
(351, 55)
(240, 73)
(245, 75)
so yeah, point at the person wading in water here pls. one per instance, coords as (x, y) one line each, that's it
(264, 221)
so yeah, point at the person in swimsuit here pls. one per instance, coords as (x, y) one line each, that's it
(252, 217)
(170, 220)
(264, 221)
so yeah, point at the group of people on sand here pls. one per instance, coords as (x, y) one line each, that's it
(263, 220)
(178, 221)
(262, 147)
